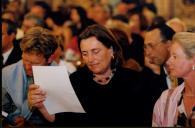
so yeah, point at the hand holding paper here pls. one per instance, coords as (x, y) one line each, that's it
(60, 94)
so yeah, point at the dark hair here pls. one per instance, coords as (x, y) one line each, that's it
(158, 20)
(143, 21)
(107, 38)
(43, 5)
(39, 40)
(85, 21)
(122, 18)
(12, 27)
(123, 41)
(151, 7)
(166, 32)
(57, 17)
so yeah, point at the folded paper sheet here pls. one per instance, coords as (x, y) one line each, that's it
(61, 96)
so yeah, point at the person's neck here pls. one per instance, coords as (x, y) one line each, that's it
(104, 74)
(189, 88)
(103, 78)
(57, 60)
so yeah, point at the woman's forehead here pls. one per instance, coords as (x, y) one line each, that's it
(91, 43)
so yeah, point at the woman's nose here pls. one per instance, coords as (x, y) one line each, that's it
(90, 58)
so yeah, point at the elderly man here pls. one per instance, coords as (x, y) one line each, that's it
(38, 47)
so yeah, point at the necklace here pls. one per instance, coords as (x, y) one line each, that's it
(103, 80)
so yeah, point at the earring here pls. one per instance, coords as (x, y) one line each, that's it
(193, 67)
(112, 57)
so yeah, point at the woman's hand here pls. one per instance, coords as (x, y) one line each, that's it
(36, 96)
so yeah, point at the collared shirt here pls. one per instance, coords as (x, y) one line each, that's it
(6, 55)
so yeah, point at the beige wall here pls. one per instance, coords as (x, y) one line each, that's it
(175, 8)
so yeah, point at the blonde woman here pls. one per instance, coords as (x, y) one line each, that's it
(177, 107)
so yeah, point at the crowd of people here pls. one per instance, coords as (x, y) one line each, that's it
(127, 65)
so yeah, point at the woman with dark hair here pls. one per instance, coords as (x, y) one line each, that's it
(123, 41)
(80, 21)
(98, 86)
(78, 16)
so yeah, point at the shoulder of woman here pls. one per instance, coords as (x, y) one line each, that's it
(82, 72)
(124, 70)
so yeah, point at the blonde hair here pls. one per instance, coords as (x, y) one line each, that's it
(119, 25)
(40, 41)
(177, 21)
(187, 41)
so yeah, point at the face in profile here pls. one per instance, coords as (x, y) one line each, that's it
(32, 59)
(6, 39)
(75, 16)
(95, 55)
(155, 49)
(179, 64)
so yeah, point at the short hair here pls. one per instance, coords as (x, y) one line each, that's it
(112, 23)
(107, 38)
(39, 40)
(122, 18)
(43, 5)
(177, 21)
(166, 32)
(186, 41)
(9, 12)
(12, 27)
(38, 21)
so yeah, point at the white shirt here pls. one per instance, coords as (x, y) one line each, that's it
(70, 67)
(6, 55)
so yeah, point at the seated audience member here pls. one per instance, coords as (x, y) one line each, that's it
(40, 9)
(177, 25)
(157, 41)
(106, 100)
(10, 15)
(123, 41)
(59, 57)
(101, 13)
(30, 20)
(11, 51)
(80, 21)
(132, 52)
(176, 107)
(38, 46)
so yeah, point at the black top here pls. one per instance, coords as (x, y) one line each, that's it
(120, 102)
(15, 55)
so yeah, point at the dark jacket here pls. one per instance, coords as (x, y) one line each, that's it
(15, 55)
(119, 103)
